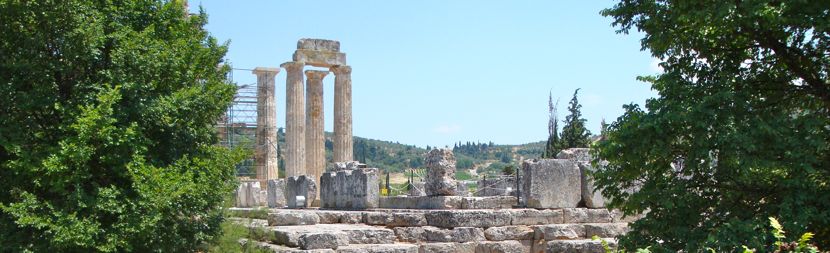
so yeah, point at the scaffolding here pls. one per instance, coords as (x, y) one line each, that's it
(237, 127)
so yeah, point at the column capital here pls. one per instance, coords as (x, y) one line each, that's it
(341, 69)
(316, 74)
(265, 70)
(292, 65)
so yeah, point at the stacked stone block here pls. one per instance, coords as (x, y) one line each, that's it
(349, 189)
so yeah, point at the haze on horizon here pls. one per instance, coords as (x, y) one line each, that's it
(438, 72)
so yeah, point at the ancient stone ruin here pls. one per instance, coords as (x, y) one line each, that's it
(550, 206)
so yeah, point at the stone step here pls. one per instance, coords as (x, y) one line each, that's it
(579, 231)
(379, 248)
(579, 246)
(332, 235)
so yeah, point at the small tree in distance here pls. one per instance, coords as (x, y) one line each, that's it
(552, 145)
(574, 134)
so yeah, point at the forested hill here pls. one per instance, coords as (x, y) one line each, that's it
(392, 156)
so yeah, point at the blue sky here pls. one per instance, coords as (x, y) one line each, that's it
(436, 72)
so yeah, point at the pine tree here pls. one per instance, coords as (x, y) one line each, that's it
(574, 134)
(552, 145)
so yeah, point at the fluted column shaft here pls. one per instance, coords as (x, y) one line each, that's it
(265, 154)
(315, 142)
(342, 113)
(294, 120)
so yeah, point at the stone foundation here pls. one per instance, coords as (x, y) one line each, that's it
(349, 189)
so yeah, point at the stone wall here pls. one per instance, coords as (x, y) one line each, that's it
(349, 189)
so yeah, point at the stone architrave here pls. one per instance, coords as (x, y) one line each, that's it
(265, 154)
(342, 113)
(551, 183)
(582, 157)
(300, 186)
(315, 142)
(350, 189)
(276, 193)
(440, 177)
(294, 120)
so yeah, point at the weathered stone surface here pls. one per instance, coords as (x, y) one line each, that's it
(300, 186)
(468, 218)
(318, 45)
(290, 218)
(323, 59)
(458, 234)
(351, 218)
(410, 234)
(276, 193)
(329, 217)
(294, 121)
(278, 248)
(551, 183)
(342, 141)
(344, 234)
(242, 195)
(371, 235)
(422, 202)
(407, 220)
(379, 248)
(317, 241)
(500, 247)
(448, 247)
(440, 177)
(585, 215)
(577, 246)
(377, 218)
(250, 194)
(290, 236)
(605, 230)
(509, 233)
(576, 154)
(559, 231)
(590, 197)
(496, 186)
(496, 202)
(536, 217)
(350, 189)
(461, 188)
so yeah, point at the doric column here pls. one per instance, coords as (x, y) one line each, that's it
(265, 154)
(342, 113)
(315, 142)
(294, 120)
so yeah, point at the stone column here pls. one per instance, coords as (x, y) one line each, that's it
(315, 142)
(294, 120)
(342, 113)
(265, 154)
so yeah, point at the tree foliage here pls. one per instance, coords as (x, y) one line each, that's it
(552, 146)
(739, 131)
(574, 133)
(106, 127)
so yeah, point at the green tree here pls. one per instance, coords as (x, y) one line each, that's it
(739, 131)
(106, 127)
(552, 146)
(574, 134)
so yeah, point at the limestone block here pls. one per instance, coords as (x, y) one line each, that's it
(559, 232)
(500, 247)
(329, 217)
(605, 230)
(422, 202)
(578, 246)
(551, 183)
(300, 186)
(461, 188)
(407, 220)
(319, 45)
(592, 198)
(323, 59)
(585, 215)
(536, 217)
(350, 189)
(509, 233)
(458, 234)
(371, 235)
(468, 218)
(496, 202)
(379, 248)
(448, 247)
(440, 176)
(377, 218)
(242, 195)
(409, 234)
(576, 154)
(276, 193)
(289, 218)
(351, 218)
(290, 236)
(350, 165)
(317, 241)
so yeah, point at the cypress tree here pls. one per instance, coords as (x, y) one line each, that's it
(574, 134)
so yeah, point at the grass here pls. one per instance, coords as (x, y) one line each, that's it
(229, 240)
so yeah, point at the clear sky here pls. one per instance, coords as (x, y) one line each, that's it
(436, 72)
